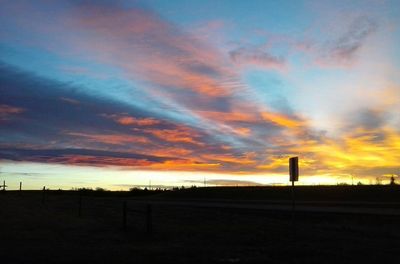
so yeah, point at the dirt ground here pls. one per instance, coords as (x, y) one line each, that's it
(50, 230)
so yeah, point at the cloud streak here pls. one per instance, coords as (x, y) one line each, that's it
(257, 57)
(344, 49)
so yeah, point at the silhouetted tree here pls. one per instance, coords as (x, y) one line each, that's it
(392, 180)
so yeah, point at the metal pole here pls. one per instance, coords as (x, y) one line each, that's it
(293, 214)
(293, 199)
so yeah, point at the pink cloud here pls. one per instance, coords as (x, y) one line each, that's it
(114, 139)
(151, 49)
(7, 111)
(179, 135)
(127, 120)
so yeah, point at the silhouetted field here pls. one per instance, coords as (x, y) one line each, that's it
(49, 230)
(365, 193)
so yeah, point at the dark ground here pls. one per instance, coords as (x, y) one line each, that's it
(52, 232)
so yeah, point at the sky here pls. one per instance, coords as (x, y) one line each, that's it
(115, 94)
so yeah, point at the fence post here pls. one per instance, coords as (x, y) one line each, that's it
(20, 186)
(43, 194)
(149, 219)
(124, 215)
(80, 204)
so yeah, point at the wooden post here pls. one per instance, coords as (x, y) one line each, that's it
(80, 204)
(43, 194)
(149, 220)
(4, 186)
(20, 186)
(124, 215)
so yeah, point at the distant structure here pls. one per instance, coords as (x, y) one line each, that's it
(4, 186)
(392, 180)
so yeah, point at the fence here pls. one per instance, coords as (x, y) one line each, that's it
(120, 212)
(127, 213)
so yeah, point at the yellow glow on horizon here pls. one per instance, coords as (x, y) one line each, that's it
(36, 175)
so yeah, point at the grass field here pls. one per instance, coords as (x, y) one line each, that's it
(49, 230)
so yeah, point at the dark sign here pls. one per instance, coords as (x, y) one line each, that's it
(294, 168)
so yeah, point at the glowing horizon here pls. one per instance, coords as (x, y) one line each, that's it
(48, 175)
(188, 88)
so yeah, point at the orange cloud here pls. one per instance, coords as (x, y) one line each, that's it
(247, 159)
(243, 131)
(171, 151)
(115, 139)
(186, 165)
(170, 57)
(128, 120)
(229, 116)
(363, 152)
(182, 134)
(282, 120)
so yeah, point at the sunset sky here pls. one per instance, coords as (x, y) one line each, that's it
(121, 93)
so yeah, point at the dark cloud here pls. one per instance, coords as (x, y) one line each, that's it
(47, 116)
(370, 119)
(198, 67)
(256, 56)
(368, 124)
(45, 111)
(24, 154)
(345, 47)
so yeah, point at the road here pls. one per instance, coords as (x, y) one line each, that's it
(370, 208)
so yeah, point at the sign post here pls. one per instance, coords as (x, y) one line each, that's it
(293, 176)
(4, 186)
(294, 169)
